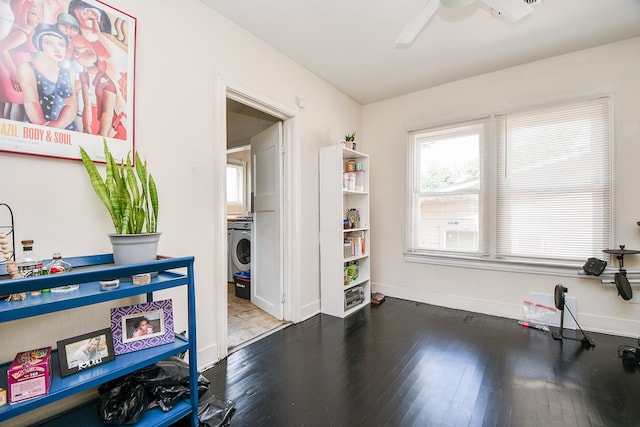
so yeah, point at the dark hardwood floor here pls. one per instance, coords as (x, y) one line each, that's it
(410, 364)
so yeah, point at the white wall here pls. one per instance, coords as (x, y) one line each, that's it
(183, 51)
(612, 69)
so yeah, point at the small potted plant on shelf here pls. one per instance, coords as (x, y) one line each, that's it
(130, 195)
(350, 139)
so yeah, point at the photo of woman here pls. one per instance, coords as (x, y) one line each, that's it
(49, 91)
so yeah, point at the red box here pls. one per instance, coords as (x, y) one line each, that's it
(29, 374)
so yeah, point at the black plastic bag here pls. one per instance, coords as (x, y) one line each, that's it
(167, 381)
(121, 402)
(215, 412)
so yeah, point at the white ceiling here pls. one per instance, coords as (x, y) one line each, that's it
(350, 43)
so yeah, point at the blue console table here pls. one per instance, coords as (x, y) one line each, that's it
(88, 272)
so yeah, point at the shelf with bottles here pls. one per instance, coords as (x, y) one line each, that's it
(354, 182)
(344, 229)
(355, 177)
(355, 245)
(89, 272)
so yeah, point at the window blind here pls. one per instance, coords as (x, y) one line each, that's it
(553, 184)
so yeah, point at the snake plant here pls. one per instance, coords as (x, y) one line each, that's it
(129, 194)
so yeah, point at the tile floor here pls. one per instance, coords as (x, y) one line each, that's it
(245, 320)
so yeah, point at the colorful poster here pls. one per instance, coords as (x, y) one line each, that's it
(67, 71)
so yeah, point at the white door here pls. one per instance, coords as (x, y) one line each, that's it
(266, 248)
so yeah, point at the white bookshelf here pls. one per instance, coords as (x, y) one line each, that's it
(337, 196)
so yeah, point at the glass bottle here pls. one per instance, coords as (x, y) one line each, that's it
(360, 180)
(349, 182)
(28, 262)
(59, 266)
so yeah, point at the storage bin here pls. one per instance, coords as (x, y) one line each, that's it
(242, 281)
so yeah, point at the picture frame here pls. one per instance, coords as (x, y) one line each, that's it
(139, 326)
(85, 351)
(96, 59)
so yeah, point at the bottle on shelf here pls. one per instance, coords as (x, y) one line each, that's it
(58, 266)
(352, 270)
(349, 181)
(29, 263)
(360, 178)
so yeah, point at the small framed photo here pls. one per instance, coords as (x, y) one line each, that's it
(140, 326)
(85, 351)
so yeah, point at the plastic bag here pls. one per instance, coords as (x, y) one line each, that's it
(536, 316)
(215, 412)
(121, 402)
(167, 381)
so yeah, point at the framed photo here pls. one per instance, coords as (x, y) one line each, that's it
(141, 326)
(85, 351)
(90, 46)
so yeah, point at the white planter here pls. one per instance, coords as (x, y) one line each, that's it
(134, 248)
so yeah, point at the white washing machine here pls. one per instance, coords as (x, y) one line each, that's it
(229, 269)
(239, 233)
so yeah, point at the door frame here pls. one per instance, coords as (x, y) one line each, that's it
(291, 176)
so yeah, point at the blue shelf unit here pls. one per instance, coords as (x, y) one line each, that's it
(88, 272)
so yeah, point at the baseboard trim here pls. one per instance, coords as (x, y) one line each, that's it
(588, 322)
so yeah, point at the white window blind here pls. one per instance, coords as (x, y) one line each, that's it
(554, 182)
(532, 186)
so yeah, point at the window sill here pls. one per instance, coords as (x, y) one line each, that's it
(565, 270)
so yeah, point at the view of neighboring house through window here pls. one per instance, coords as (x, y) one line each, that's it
(448, 200)
(529, 186)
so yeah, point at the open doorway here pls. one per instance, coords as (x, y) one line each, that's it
(246, 320)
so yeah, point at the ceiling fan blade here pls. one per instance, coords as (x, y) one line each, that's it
(513, 10)
(413, 27)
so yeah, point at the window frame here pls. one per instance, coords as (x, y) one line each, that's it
(241, 168)
(479, 127)
(486, 257)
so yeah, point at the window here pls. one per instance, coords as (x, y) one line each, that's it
(236, 187)
(532, 187)
(447, 200)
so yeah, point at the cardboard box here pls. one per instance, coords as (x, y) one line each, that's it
(29, 374)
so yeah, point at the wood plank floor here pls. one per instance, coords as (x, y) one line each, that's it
(410, 364)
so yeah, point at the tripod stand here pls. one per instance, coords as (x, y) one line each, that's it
(561, 305)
